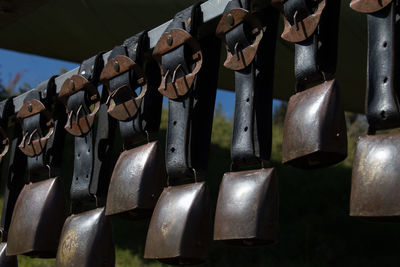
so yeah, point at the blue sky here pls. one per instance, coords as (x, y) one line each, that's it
(36, 69)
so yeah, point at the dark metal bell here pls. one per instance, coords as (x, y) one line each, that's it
(137, 182)
(179, 231)
(315, 128)
(37, 219)
(6, 261)
(247, 208)
(376, 177)
(86, 240)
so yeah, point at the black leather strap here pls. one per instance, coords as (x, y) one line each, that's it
(190, 117)
(145, 124)
(296, 8)
(172, 59)
(315, 57)
(84, 149)
(252, 127)
(49, 161)
(15, 182)
(133, 49)
(102, 153)
(382, 88)
(91, 68)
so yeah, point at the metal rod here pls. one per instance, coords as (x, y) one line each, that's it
(210, 9)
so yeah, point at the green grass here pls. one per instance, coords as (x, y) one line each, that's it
(315, 229)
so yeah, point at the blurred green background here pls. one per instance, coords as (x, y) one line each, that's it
(315, 229)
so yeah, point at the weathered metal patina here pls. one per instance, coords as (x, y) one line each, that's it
(136, 182)
(86, 241)
(315, 128)
(37, 220)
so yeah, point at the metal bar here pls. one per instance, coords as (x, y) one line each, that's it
(211, 10)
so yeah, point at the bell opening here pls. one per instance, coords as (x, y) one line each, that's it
(377, 219)
(316, 160)
(134, 214)
(41, 254)
(250, 242)
(182, 261)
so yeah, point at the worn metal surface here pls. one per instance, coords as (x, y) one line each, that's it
(369, 6)
(137, 181)
(6, 261)
(376, 177)
(38, 216)
(179, 230)
(237, 60)
(314, 133)
(301, 30)
(247, 208)
(86, 241)
(169, 41)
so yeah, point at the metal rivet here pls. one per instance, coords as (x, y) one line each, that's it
(116, 66)
(230, 19)
(71, 84)
(30, 108)
(169, 40)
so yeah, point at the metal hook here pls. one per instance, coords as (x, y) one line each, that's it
(31, 135)
(295, 20)
(96, 200)
(165, 79)
(195, 175)
(147, 136)
(77, 113)
(30, 140)
(236, 51)
(24, 139)
(69, 119)
(48, 167)
(176, 70)
(111, 96)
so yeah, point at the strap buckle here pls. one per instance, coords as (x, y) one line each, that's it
(29, 146)
(237, 60)
(369, 6)
(301, 29)
(126, 108)
(82, 124)
(177, 86)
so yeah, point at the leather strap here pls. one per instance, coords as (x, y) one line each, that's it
(382, 87)
(92, 162)
(102, 153)
(15, 182)
(252, 126)
(298, 9)
(49, 161)
(190, 117)
(171, 60)
(84, 149)
(91, 68)
(315, 57)
(145, 124)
